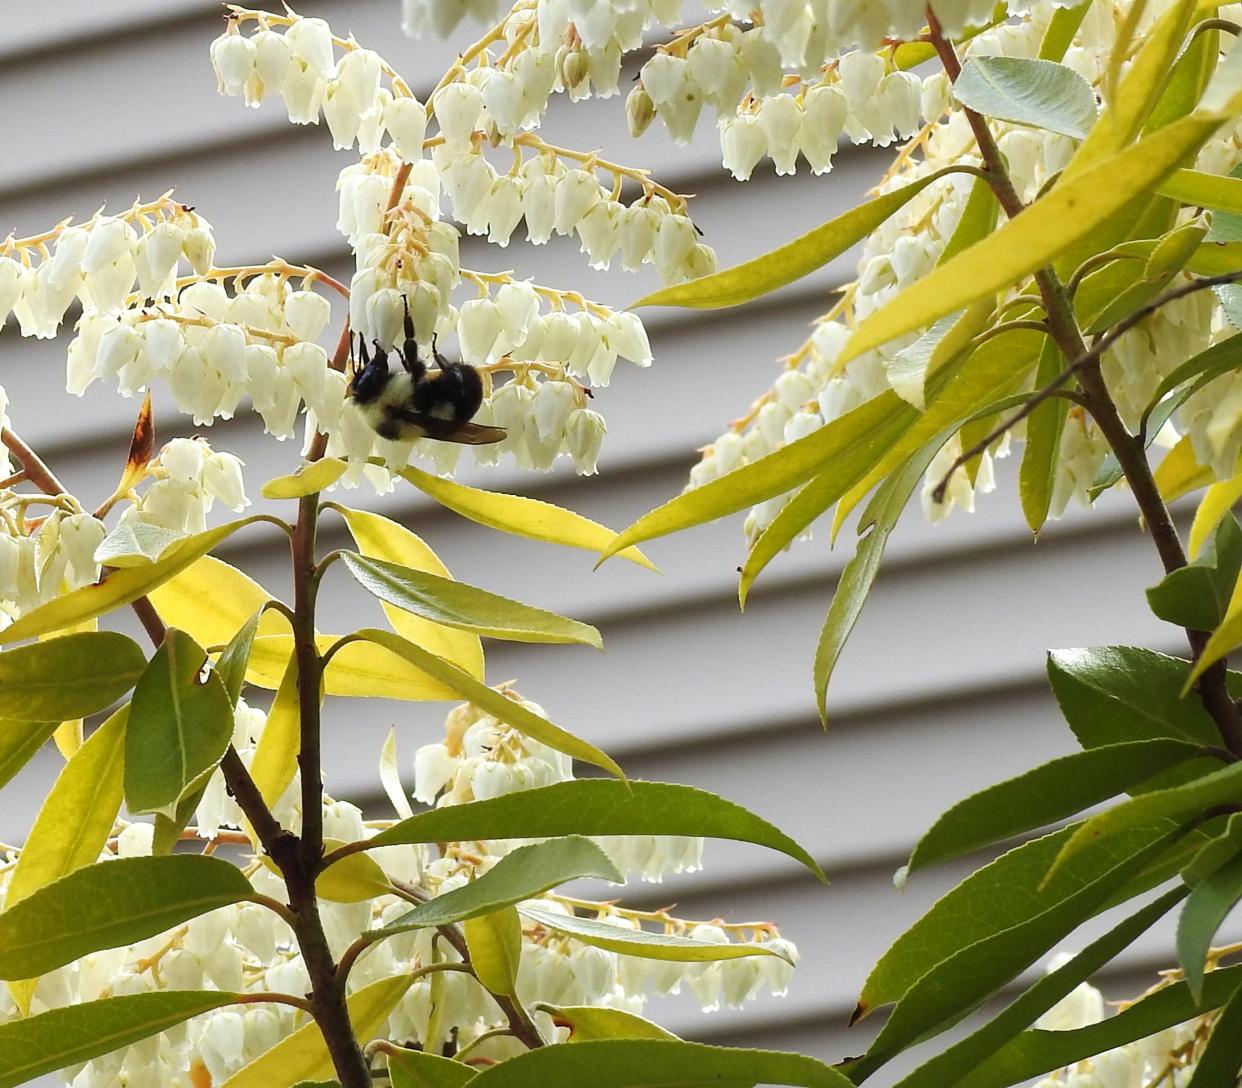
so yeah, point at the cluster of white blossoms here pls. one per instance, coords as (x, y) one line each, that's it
(813, 390)
(186, 479)
(1168, 1058)
(248, 948)
(100, 263)
(481, 758)
(41, 560)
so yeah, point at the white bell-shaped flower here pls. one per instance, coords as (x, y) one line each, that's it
(458, 110)
(405, 119)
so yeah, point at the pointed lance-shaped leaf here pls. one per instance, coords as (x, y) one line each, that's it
(68, 677)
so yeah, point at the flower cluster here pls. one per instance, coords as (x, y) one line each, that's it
(43, 558)
(187, 477)
(248, 948)
(813, 389)
(100, 263)
(1167, 1058)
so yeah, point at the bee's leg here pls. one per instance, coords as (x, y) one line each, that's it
(441, 361)
(410, 357)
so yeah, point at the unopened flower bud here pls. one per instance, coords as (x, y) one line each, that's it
(640, 111)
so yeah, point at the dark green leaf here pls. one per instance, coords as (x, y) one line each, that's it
(969, 977)
(465, 607)
(235, 658)
(637, 1063)
(1037, 1052)
(525, 721)
(67, 677)
(1197, 596)
(595, 806)
(61, 1037)
(1190, 75)
(110, 904)
(1041, 93)
(792, 261)
(1216, 853)
(526, 872)
(1205, 910)
(414, 1069)
(19, 741)
(1062, 27)
(1042, 453)
(180, 722)
(1005, 893)
(960, 1058)
(168, 829)
(1221, 1059)
(1059, 789)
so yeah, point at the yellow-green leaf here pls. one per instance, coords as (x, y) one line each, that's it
(120, 587)
(1217, 501)
(1069, 212)
(390, 776)
(792, 261)
(1062, 27)
(381, 538)
(466, 607)
(1136, 94)
(1042, 452)
(1180, 472)
(870, 425)
(68, 677)
(588, 1023)
(520, 516)
(495, 944)
(525, 721)
(211, 600)
(1200, 190)
(354, 879)
(366, 672)
(310, 479)
(74, 823)
(304, 1055)
(276, 755)
(19, 741)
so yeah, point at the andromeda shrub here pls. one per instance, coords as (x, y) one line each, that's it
(1052, 259)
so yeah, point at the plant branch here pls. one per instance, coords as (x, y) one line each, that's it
(1129, 450)
(32, 464)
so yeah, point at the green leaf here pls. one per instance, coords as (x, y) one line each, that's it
(110, 904)
(1200, 190)
(519, 515)
(1062, 27)
(135, 544)
(637, 1063)
(589, 1023)
(1187, 81)
(355, 878)
(414, 1069)
(792, 261)
(233, 662)
(180, 722)
(381, 538)
(860, 572)
(304, 1055)
(494, 702)
(19, 742)
(310, 479)
(62, 1037)
(953, 1063)
(67, 677)
(120, 587)
(978, 220)
(1218, 1065)
(168, 829)
(276, 755)
(1044, 230)
(526, 872)
(495, 945)
(1042, 454)
(1036, 1052)
(1226, 637)
(646, 944)
(1216, 853)
(1111, 694)
(465, 607)
(1197, 596)
(595, 806)
(971, 975)
(1002, 894)
(777, 472)
(1059, 789)
(1178, 803)
(1209, 904)
(1040, 93)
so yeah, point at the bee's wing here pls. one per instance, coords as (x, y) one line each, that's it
(446, 430)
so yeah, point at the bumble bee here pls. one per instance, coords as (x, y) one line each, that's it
(416, 402)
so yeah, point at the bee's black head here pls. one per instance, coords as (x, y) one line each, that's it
(370, 382)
